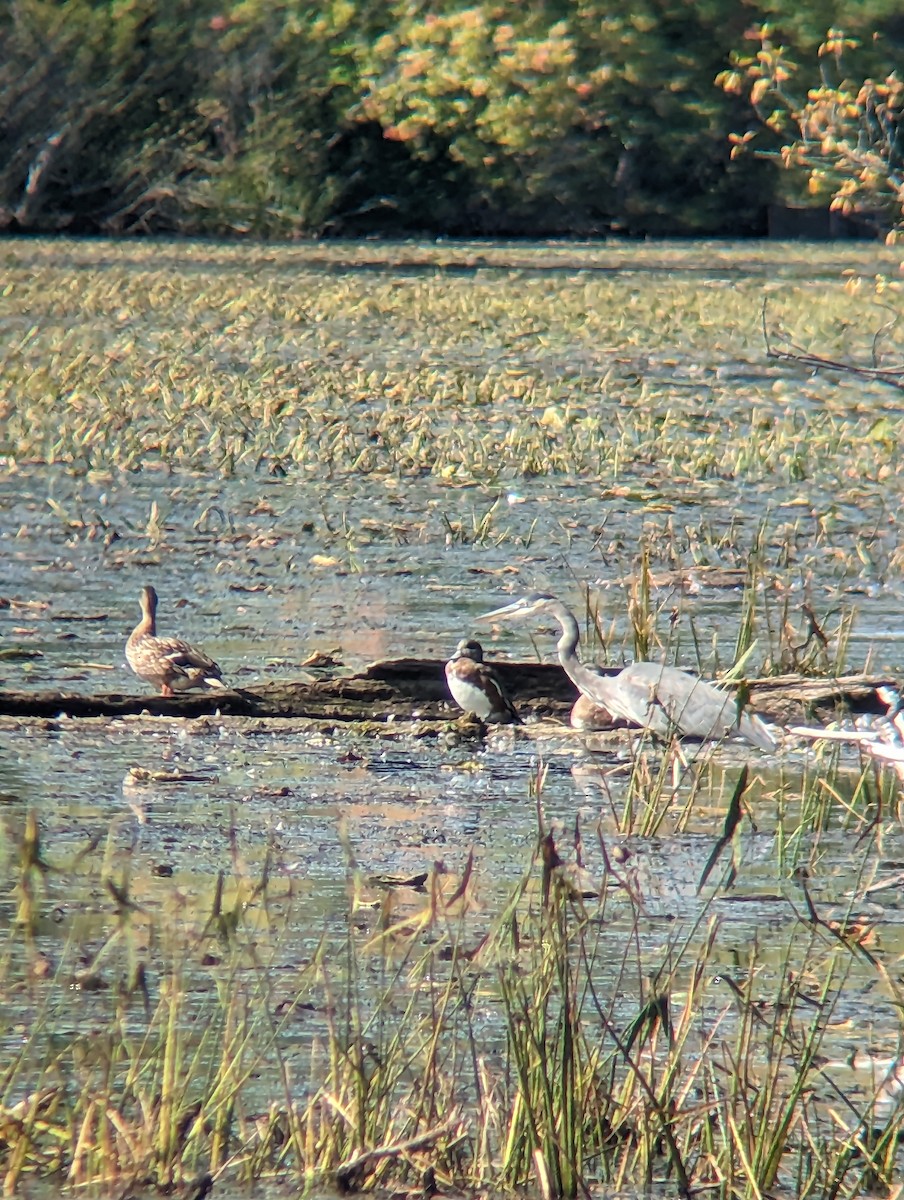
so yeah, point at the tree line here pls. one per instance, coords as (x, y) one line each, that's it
(281, 118)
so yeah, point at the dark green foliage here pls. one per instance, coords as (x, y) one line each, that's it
(98, 113)
(280, 118)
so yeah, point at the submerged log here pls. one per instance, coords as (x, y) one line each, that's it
(415, 688)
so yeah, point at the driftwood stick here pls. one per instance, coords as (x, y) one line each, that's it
(415, 689)
(349, 1173)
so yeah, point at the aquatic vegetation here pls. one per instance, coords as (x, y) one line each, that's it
(448, 385)
(566, 1037)
(673, 989)
(528, 362)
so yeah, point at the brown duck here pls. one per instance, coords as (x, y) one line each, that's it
(168, 663)
(476, 687)
(589, 717)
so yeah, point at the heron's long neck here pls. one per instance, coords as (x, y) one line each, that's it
(585, 679)
(567, 645)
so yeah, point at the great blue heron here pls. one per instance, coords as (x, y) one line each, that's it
(476, 687)
(659, 698)
(167, 663)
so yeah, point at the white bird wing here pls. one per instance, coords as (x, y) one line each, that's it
(815, 734)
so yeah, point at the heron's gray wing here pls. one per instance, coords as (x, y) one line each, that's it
(626, 694)
(673, 701)
(679, 702)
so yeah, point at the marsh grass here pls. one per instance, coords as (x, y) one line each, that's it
(563, 1042)
(781, 628)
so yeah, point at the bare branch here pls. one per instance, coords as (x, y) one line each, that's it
(893, 376)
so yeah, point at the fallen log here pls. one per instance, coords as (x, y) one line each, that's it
(415, 688)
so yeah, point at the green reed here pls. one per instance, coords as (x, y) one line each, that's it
(559, 1043)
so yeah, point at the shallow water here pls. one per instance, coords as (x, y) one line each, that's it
(301, 796)
(264, 571)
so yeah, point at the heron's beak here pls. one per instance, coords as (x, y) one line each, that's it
(507, 610)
